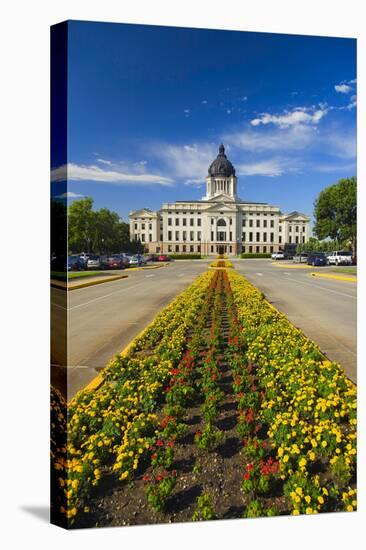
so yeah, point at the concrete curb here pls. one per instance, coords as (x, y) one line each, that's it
(337, 277)
(292, 266)
(99, 379)
(64, 286)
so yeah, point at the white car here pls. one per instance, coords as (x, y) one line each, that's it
(278, 256)
(340, 257)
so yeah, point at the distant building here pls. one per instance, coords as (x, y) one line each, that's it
(219, 223)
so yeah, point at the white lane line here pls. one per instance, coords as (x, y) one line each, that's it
(260, 274)
(106, 296)
(149, 276)
(181, 274)
(322, 288)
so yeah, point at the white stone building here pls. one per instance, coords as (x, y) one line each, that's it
(220, 223)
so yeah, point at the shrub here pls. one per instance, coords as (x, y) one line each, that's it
(254, 255)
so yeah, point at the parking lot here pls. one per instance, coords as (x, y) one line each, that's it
(103, 319)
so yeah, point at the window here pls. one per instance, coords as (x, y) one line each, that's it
(135, 226)
(264, 223)
(199, 248)
(280, 239)
(191, 248)
(176, 221)
(280, 228)
(258, 237)
(272, 223)
(231, 236)
(271, 249)
(231, 221)
(191, 235)
(177, 235)
(170, 248)
(297, 239)
(184, 221)
(198, 235)
(264, 249)
(250, 237)
(191, 222)
(290, 229)
(150, 237)
(243, 223)
(250, 223)
(290, 239)
(142, 226)
(212, 248)
(169, 213)
(297, 229)
(258, 224)
(303, 228)
(143, 237)
(199, 222)
(243, 237)
(212, 221)
(191, 213)
(184, 248)
(230, 248)
(177, 247)
(184, 235)
(250, 249)
(212, 235)
(243, 249)
(272, 237)
(169, 235)
(264, 237)
(169, 221)
(257, 249)
(150, 226)
(303, 239)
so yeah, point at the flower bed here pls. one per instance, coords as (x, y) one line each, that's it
(221, 264)
(220, 398)
(307, 406)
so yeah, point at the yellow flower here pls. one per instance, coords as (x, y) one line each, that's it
(349, 508)
(309, 510)
(285, 458)
(308, 499)
(321, 500)
(324, 444)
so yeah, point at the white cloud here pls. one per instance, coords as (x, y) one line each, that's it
(77, 172)
(244, 98)
(340, 143)
(189, 162)
(334, 167)
(342, 88)
(271, 168)
(299, 115)
(204, 101)
(103, 161)
(295, 137)
(69, 195)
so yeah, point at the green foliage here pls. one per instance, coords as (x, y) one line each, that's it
(204, 509)
(158, 492)
(335, 212)
(315, 245)
(249, 255)
(99, 231)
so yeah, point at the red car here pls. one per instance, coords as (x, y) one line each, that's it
(162, 258)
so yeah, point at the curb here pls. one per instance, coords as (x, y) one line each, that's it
(148, 267)
(337, 277)
(99, 379)
(90, 283)
(292, 266)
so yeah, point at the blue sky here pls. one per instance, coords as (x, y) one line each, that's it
(149, 106)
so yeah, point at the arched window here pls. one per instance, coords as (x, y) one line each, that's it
(221, 222)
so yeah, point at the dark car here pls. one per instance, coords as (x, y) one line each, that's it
(317, 259)
(74, 263)
(115, 261)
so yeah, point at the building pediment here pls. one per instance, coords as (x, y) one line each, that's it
(223, 197)
(295, 216)
(221, 207)
(143, 212)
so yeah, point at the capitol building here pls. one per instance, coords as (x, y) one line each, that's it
(220, 223)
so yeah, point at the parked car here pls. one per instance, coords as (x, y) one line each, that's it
(340, 257)
(93, 262)
(278, 256)
(134, 260)
(163, 258)
(151, 257)
(74, 263)
(114, 261)
(317, 259)
(125, 259)
(300, 258)
(141, 258)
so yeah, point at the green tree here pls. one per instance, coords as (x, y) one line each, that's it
(81, 225)
(336, 212)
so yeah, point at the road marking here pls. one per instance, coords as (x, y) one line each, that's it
(149, 276)
(181, 274)
(323, 288)
(260, 274)
(105, 296)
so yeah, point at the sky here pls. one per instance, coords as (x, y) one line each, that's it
(148, 107)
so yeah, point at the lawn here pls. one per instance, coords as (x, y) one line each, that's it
(349, 270)
(62, 276)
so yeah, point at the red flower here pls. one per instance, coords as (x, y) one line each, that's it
(246, 476)
(249, 467)
(146, 477)
(159, 443)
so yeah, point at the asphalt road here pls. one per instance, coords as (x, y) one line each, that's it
(324, 309)
(103, 319)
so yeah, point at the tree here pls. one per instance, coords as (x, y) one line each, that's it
(336, 212)
(81, 225)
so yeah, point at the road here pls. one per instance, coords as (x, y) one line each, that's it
(103, 319)
(324, 309)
